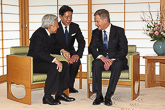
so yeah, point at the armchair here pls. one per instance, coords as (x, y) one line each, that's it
(20, 71)
(127, 77)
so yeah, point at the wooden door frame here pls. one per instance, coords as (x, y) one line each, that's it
(24, 25)
(24, 22)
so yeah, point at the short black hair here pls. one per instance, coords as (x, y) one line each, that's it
(64, 9)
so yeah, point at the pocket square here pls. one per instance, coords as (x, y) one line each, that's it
(73, 34)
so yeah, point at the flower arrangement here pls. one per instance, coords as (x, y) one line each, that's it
(155, 28)
(156, 31)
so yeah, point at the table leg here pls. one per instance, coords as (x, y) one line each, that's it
(162, 72)
(149, 74)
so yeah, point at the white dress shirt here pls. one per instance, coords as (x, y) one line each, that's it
(64, 27)
(108, 34)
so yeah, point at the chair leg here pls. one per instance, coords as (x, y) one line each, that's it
(80, 76)
(135, 76)
(25, 100)
(89, 93)
(66, 92)
(133, 94)
(88, 90)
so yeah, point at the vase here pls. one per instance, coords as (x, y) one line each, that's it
(159, 48)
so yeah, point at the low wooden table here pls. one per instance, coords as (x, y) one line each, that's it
(152, 79)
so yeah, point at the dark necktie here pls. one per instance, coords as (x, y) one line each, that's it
(66, 35)
(105, 42)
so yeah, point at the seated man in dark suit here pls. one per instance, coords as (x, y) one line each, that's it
(57, 72)
(109, 48)
(64, 40)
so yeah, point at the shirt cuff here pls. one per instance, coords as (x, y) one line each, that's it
(60, 52)
(53, 60)
(113, 59)
(99, 56)
(102, 55)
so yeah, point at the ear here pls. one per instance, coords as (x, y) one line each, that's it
(49, 26)
(60, 16)
(105, 20)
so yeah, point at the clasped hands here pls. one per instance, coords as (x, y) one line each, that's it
(72, 59)
(107, 62)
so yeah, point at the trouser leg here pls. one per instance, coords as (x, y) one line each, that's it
(55, 81)
(73, 72)
(116, 68)
(97, 68)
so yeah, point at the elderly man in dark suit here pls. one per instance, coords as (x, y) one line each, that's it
(64, 40)
(57, 72)
(109, 48)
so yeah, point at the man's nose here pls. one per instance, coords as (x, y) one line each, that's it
(69, 18)
(96, 23)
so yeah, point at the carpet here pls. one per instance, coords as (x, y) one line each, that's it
(149, 99)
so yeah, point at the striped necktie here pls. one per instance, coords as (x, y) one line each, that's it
(105, 42)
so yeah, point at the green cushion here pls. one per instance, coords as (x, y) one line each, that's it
(38, 77)
(106, 75)
(59, 57)
(19, 50)
(131, 48)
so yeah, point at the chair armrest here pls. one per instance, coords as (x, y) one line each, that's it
(19, 69)
(90, 59)
(133, 63)
(59, 57)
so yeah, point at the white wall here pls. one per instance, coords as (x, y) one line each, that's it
(133, 23)
(38, 8)
(10, 9)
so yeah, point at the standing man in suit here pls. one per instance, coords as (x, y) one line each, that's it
(57, 72)
(64, 40)
(109, 48)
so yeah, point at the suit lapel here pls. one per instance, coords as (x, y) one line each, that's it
(112, 34)
(46, 36)
(71, 29)
(101, 38)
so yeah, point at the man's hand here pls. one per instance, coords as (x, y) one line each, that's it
(107, 62)
(65, 54)
(73, 59)
(59, 65)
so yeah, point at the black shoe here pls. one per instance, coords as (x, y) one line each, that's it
(98, 100)
(73, 90)
(50, 101)
(108, 101)
(64, 97)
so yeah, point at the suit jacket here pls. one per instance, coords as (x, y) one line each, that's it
(40, 46)
(74, 33)
(117, 45)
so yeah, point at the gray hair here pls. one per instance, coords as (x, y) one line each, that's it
(103, 14)
(47, 20)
